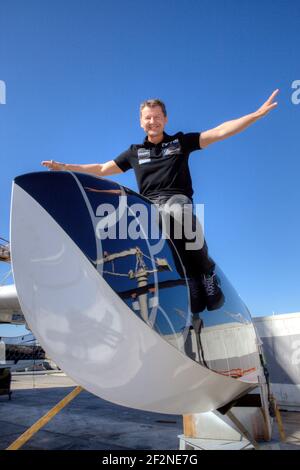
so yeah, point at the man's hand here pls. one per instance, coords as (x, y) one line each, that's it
(53, 165)
(268, 105)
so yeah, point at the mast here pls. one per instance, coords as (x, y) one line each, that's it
(140, 274)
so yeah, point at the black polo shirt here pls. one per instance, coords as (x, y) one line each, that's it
(162, 169)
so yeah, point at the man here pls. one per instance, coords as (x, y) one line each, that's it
(161, 168)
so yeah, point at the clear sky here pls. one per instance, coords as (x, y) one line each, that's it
(75, 72)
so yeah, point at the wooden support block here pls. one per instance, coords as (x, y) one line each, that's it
(189, 428)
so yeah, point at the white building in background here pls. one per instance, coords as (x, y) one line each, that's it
(280, 335)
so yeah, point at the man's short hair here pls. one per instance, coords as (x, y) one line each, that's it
(152, 103)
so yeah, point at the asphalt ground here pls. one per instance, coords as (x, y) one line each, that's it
(87, 422)
(90, 423)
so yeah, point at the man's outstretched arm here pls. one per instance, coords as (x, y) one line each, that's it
(229, 128)
(98, 169)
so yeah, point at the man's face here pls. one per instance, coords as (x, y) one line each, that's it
(153, 120)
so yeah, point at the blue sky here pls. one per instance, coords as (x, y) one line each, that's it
(75, 72)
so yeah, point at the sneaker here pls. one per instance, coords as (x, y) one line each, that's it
(197, 295)
(214, 295)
